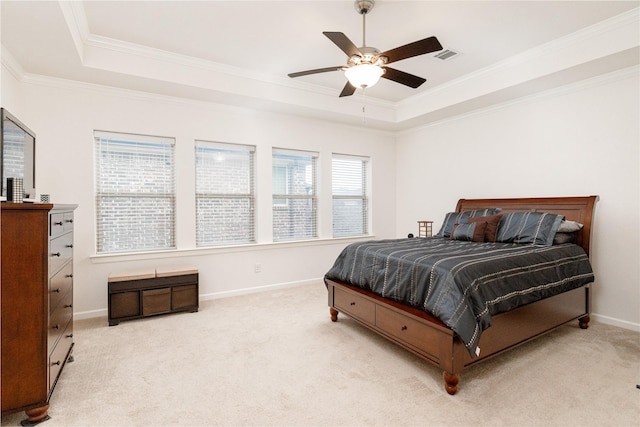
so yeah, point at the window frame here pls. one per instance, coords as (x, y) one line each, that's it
(251, 196)
(289, 197)
(140, 146)
(363, 197)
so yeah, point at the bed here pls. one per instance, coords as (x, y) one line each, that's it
(404, 315)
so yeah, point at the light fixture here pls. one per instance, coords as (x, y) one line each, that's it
(363, 75)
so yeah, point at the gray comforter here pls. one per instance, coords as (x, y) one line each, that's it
(462, 283)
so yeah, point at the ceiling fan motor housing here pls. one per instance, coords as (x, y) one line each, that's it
(363, 6)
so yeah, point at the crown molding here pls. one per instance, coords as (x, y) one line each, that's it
(602, 39)
(224, 82)
(10, 63)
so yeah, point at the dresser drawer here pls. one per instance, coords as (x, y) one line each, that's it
(60, 251)
(59, 353)
(60, 285)
(56, 224)
(59, 319)
(406, 329)
(354, 305)
(67, 221)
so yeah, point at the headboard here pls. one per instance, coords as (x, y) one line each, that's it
(580, 209)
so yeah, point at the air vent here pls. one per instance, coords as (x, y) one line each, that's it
(446, 54)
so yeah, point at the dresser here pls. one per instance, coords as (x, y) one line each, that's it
(37, 303)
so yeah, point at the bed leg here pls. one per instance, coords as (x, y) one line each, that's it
(334, 314)
(584, 322)
(451, 382)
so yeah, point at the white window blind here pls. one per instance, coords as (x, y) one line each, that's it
(225, 196)
(349, 189)
(135, 192)
(294, 195)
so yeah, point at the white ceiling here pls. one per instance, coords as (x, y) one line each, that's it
(240, 52)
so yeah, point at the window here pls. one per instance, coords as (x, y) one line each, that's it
(294, 195)
(135, 192)
(225, 196)
(349, 189)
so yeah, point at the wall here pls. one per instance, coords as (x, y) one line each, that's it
(64, 115)
(578, 140)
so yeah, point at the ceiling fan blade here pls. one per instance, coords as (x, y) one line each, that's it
(316, 71)
(402, 77)
(428, 45)
(348, 90)
(343, 43)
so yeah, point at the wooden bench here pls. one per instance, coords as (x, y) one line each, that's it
(148, 292)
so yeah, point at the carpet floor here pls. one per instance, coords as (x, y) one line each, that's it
(275, 358)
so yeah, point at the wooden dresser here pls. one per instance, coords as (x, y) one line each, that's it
(37, 303)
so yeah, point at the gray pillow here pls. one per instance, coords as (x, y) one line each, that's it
(536, 228)
(470, 232)
(453, 218)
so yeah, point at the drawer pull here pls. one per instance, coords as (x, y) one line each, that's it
(57, 223)
(70, 221)
(69, 336)
(56, 254)
(58, 290)
(57, 326)
(68, 306)
(68, 276)
(404, 328)
(70, 245)
(56, 363)
(352, 303)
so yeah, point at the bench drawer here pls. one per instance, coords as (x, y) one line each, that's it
(156, 301)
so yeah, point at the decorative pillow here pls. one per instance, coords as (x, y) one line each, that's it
(561, 238)
(453, 218)
(567, 226)
(473, 232)
(491, 229)
(537, 228)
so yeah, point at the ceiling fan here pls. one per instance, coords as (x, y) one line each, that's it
(367, 64)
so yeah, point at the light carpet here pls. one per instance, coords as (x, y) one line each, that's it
(275, 358)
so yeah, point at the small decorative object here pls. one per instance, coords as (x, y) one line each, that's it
(15, 190)
(44, 198)
(425, 228)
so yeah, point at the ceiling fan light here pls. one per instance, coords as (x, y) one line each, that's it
(363, 75)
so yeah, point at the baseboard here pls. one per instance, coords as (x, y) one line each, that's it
(616, 322)
(226, 294)
(91, 314)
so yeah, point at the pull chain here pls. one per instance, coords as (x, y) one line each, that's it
(364, 112)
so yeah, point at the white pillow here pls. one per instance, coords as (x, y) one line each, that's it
(569, 226)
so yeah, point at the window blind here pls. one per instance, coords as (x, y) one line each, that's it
(134, 192)
(225, 198)
(294, 186)
(349, 191)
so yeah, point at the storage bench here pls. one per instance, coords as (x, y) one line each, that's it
(147, 292)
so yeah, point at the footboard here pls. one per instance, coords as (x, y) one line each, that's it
(431, 340)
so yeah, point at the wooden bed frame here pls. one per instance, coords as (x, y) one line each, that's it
(430, 339)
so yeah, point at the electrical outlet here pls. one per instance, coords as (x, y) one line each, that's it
(257, 268)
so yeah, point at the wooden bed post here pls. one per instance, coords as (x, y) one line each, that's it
(452, 353)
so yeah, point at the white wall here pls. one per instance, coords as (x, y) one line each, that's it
(64, 116)
(578, 140)
(582, 139)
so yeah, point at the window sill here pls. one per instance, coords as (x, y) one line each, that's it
(176, 253)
